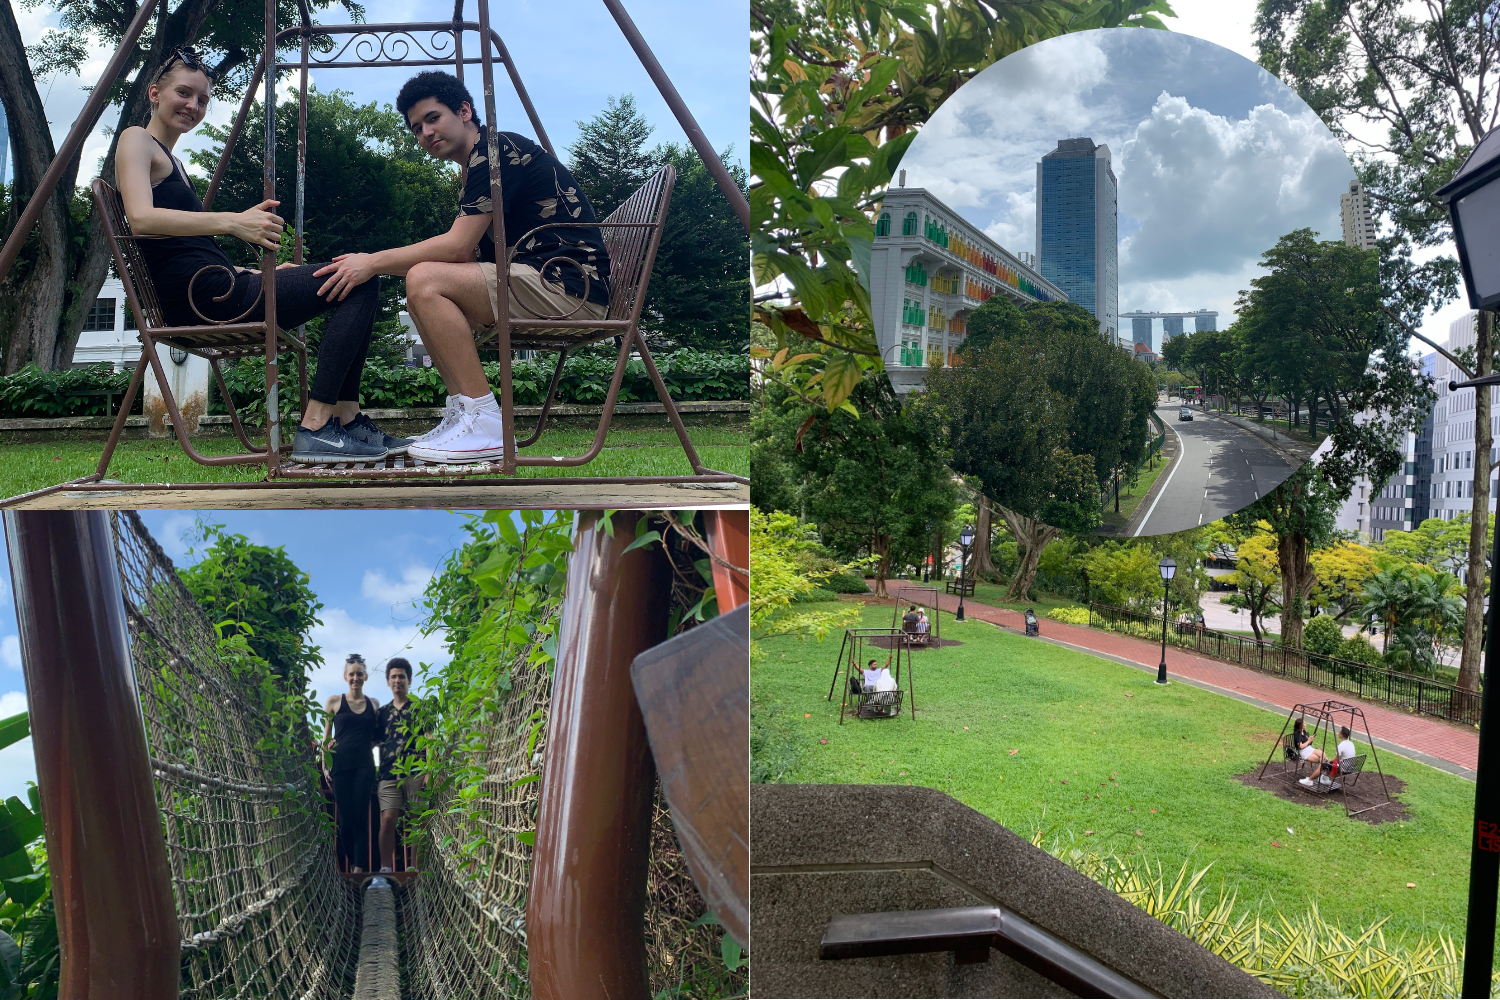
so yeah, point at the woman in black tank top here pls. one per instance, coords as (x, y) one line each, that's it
(353, 738)
(160, 200)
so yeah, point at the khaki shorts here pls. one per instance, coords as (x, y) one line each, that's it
(531, 297)
(400, 793)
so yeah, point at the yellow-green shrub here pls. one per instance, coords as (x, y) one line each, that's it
(1070, 616)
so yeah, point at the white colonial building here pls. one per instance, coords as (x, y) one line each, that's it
(929, 271)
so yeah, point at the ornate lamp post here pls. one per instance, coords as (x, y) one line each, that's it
(1473, 198)
(1168, 569)
(965, 539)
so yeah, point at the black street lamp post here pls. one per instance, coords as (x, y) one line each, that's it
(1168, 569)
(1473, 198)
(965, 539)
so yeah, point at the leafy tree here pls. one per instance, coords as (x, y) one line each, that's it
(779, 575)
(50, 300)
(871, 485)
(1410, 89)
(1417, 610)
(1323, 636)
(699, 295)
(839, 91)
(258, 592)
(1342, 569)
(1124, 575)
(1258, 577)
(1435, 542)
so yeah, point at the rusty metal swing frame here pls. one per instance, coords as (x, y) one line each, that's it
(851, 653)
(388, 45)
(1322, 714)
(922, 597)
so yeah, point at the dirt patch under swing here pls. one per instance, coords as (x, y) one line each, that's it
(1366, 792)
(890, 642)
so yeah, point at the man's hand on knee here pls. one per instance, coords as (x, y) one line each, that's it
(347, 272)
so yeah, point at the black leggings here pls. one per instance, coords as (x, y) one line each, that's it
(346, 338)
(351, 793)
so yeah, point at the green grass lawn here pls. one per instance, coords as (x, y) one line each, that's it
(628, 451)
(1131, 498)
(1105, 755)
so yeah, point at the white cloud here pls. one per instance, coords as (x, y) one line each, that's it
(10, 654)
(340, 634)
(17, 762)
(173, 535)
(376, 586)
(1210, 193)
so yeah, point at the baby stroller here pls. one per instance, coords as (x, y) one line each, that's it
(1031, 625)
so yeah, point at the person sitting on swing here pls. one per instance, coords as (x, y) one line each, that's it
(159, 200)
(557, 273)
(878, 678)
(1309, 753)
(910, 619)
(923, 625)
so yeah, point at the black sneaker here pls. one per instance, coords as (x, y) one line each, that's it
(363, 428)
(332, 443)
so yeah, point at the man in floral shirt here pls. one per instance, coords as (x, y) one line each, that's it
(450, 279)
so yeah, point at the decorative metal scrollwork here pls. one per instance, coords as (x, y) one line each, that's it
(233, 281)
(388, 46)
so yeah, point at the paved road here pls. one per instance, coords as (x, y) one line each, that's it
(1221, 469)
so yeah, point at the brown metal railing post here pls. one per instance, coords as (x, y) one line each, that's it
(111, 884)
(729, 537)
(585, 917)
(497, 234)
(268, 257)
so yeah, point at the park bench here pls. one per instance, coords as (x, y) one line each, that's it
(632, 234)
(961, 586)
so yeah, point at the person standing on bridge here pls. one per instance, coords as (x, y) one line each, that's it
(350, 732)
(398, 735)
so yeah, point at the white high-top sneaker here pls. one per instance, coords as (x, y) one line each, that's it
(450, 414)
(474, 437)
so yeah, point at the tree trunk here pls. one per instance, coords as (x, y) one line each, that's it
(180, 28)
(1032, 536)
(1297, 581)
(1468, 663)
(881, 545)
(981, 563)
(38, 297)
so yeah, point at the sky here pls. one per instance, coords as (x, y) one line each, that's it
(1215, 158)
(700, 44)
(368, 568)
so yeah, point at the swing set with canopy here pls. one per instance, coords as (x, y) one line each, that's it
(865, 703)
(632, 235)
(1323, 717)
(922, 597)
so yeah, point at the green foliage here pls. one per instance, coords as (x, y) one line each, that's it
(1070, 616)
(846, 583)
(699, 295)
(32, 392)
(1419, 611)
(257, 592)
(780, 576)
(498, 600)
(872, 486)
(688, 374)
(1323, 636)
(840, 90)
(1358, 649)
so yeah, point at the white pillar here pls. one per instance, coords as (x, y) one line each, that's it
(189, 384)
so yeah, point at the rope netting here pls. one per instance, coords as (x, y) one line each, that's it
(261, 909)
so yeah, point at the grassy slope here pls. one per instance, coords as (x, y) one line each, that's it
(627, 452)
(1131, 498)
(1172, 749)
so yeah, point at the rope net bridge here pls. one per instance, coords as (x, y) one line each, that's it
(243, 834)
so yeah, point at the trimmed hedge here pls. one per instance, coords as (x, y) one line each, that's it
(846, 583)
(689, 375)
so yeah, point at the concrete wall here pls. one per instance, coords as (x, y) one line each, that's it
(821, 850)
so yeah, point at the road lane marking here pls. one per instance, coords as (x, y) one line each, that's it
(1181, 456)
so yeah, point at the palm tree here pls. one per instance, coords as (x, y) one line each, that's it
(1387, 597)
(1435, 612)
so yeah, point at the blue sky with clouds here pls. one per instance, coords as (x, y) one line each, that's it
(570, 55)
(369, 569)
(1215, 158)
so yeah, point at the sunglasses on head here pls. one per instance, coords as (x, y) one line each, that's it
(189, 57)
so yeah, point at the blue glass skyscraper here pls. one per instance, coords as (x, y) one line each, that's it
(1077, 228)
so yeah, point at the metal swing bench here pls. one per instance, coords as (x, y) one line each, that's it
(632, 235)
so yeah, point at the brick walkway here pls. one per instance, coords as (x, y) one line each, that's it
(1451, 747)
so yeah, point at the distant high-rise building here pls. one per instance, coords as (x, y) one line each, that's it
(4, 144)
(1140, 328)
(1205, 320)
(1354, 208)
(1171, 326)
(1077, 228)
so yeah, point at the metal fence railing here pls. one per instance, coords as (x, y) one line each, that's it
(1157, 438)
(1422, 695)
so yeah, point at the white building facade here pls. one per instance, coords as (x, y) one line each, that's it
(1354, 211)
(929, 271)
